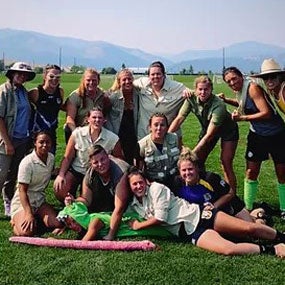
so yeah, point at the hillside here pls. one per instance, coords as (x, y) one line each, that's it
(40, 49)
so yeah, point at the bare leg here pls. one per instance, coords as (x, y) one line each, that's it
(280, 172)
(228, 150)
(252, 170)
(212, 241)
(121, 201)
(227, 224)
(48, 215)
(17, 222)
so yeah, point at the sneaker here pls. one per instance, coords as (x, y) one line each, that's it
(269, 210)
(7, 208)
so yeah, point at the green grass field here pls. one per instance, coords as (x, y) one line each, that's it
(173, 263)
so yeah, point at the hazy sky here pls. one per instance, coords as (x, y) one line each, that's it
(155, 26)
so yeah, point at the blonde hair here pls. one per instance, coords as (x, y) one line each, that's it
(187, 154)
(81, 88)
(116, 85)
(203, 79)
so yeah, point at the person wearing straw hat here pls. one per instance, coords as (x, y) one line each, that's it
(15, 112)
(274, 80)
(266, 136)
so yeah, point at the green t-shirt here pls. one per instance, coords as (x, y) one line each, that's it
(214, 110)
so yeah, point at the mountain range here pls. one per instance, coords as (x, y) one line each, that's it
(40, 49)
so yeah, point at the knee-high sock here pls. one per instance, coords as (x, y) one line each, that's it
(281, 193)
(250, 191)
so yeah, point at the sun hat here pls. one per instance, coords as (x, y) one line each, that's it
(23, 67)
(269, 66)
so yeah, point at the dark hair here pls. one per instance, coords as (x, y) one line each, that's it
(95, 149)
(96, 108)
(133, 170)
(44, 132)
(232, 69)
(52, 66)
(159, 115)
(157, 64)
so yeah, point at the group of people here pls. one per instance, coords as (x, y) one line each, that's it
(125, 169)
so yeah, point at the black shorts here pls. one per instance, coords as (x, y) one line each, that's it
(224, 137)
(207, 219)
(260, 147)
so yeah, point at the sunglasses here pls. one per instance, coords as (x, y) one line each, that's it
(52, 76)
(270, 76)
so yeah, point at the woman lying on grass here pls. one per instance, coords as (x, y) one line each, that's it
(96, 225)
(205, 187)
(200, 225)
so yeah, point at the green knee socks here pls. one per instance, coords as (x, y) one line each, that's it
(281, 193)
(250, 191)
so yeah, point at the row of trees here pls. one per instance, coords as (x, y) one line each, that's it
(105, 70)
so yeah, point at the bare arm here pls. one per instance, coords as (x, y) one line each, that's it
(29, 220)
(121, 202)
(86, 195)
(118, 151)
(264, 112)
(9, 148)
(94, 227)
(71, 111)
(176, 123)
(230, 101)
(206, 139)
(136, 225)
(63, 105)
(138, 160)
(65, 164)
(225, 199)
(33, 95)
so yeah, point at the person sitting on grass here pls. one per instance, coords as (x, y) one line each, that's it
(200, 225)
(96, 225)
(29, 206)
(202, 188)
(76, 161)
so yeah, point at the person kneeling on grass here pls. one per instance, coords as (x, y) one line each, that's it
(29, 208)
(200, 225)
(96, 225)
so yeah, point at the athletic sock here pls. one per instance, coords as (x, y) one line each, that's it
(281, 193)
(267, 249)
(250, 191)
(280, 237)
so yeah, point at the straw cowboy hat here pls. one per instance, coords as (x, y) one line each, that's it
(22, 67)
(269, 66)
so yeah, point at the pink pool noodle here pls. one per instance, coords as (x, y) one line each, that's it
(145, 245)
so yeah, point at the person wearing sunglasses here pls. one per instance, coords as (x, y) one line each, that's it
(266, 136)
(48, 100)
(15, 113)
(274, 80)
